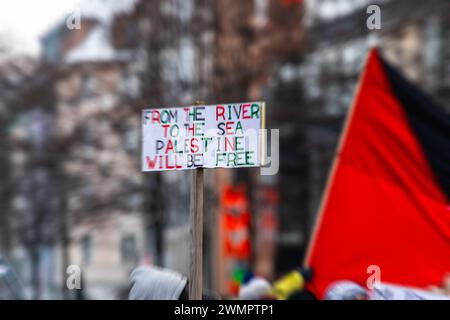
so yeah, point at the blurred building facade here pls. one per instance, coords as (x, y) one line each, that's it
(97, 123)
(72, 190)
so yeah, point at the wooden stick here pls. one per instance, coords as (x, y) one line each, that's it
(196, 235)
(196, 232)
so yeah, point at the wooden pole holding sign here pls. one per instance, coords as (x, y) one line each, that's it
(196, 233)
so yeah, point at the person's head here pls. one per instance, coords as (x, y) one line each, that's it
(153, 283)
(253, 288)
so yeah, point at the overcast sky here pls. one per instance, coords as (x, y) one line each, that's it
(23, 21)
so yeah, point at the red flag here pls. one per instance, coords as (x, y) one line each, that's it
(387, 198)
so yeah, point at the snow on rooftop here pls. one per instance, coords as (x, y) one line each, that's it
(104, 10)
(96, 47)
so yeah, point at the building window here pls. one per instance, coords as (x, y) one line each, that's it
(86, 247)
(128, 250)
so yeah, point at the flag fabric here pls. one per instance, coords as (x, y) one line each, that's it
(386, 203)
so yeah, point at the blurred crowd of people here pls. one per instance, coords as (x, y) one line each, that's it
(154, 283)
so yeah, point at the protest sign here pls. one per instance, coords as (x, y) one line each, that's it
(197, 137)
(213, 136)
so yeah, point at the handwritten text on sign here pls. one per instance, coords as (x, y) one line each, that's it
(225, 136)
